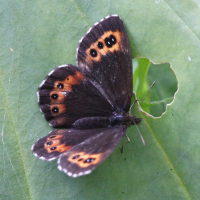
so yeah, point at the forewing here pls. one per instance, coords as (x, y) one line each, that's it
(66, 95)
(104, 56)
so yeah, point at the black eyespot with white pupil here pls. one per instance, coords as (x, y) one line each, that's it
(53, 148)
(100, 45)
(110, 41)
(60, 86)
(55, 110)
(113, 39)
(49, 143)
(75, 157)
(93, 53)
(54, 96)
(89, 160)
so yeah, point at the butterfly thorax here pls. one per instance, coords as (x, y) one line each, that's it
(126, 119)
(101, 122)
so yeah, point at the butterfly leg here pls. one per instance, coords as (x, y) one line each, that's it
(122, 148)
(132, 105)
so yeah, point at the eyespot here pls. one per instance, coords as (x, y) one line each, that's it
(60, 86)
(89, 160)
(100, 45)
(49, 143)
(93, 53)
(55, 110)
(54, 96)
(75, 157)
(53, 148)
(108, 42)
(113, 39)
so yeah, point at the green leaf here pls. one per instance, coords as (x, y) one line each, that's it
(153, 98)
(37, 36)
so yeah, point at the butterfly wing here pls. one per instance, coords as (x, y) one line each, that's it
(79, 151)
(59, 141)
(104, 56)
(66, 95)
(83, 158)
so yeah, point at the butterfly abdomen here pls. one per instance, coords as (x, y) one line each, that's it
(102, 122)
(92, 122)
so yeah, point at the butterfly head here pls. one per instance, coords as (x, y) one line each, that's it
(132, 120)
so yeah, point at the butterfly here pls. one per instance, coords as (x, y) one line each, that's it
(90, 101)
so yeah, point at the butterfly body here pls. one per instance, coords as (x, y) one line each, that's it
(90, 100)
(101, 122)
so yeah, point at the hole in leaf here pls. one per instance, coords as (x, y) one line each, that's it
(162, 93)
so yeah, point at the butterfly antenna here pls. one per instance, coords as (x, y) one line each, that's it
(136, 111)
(142, 99)
(148, 91)
(140, 134)
(132, 106)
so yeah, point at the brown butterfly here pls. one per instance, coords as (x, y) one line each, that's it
(91, 100)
